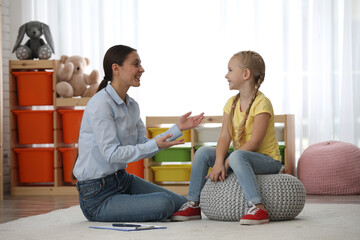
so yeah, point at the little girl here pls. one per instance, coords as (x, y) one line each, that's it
(249, 122)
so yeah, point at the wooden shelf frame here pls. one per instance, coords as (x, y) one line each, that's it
(58, 187)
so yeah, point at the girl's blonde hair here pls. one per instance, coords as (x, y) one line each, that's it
(255, 63)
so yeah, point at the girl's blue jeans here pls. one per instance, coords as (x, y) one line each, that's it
(123, 197)
(245, 164)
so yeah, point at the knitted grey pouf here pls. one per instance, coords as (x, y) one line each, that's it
(284, 197)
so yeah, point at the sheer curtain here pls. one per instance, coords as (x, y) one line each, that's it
(311, 50)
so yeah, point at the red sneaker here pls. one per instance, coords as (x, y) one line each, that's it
(188, 211)
(255, 216)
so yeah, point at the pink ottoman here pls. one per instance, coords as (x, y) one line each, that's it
(331, 167)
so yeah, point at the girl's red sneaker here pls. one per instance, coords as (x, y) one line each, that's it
(255, 216)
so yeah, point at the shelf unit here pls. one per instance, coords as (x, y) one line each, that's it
(285, 122)
(58, 187)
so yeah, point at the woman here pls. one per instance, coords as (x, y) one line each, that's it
(112, 134)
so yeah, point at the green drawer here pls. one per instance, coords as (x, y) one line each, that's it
(174, 154)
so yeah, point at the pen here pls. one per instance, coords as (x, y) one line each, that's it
(136, 226)
(125, 225)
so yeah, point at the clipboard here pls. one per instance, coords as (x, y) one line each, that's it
(128, 227)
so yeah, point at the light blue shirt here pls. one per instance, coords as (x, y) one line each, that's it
(112, 134)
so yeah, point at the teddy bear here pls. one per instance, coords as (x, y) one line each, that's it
(73, 81)
(35, 47)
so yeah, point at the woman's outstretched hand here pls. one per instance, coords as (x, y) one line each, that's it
(162, 143)
(185, 122)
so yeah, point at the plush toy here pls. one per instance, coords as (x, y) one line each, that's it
(73, 81)
(35, 47)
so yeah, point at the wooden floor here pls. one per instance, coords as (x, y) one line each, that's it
(14, 207)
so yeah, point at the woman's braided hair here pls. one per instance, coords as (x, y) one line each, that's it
(255, 63)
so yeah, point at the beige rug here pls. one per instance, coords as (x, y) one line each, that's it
(316, 221)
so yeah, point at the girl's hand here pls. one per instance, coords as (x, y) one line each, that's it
(218, 172)
(162, 143)
(185, 122)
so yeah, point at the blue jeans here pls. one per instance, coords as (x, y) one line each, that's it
(123, 197)
(245, 164)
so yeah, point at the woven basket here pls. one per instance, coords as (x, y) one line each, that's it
(330, 167)
(284, 197)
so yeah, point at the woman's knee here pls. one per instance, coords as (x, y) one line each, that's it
(163, 203)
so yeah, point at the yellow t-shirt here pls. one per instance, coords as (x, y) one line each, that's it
(261, 104)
